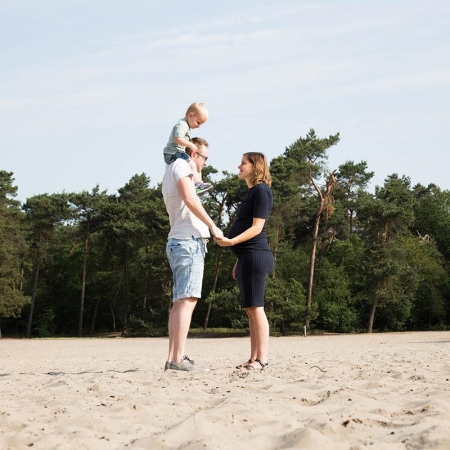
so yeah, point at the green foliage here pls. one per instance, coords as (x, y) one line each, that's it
(91, 261)
(226, 309)
(285, 305)
(45, 324)
(428, 310)
(139, 327)
(291, 262)
(391, 211)
(336, 308)
(12, 250)
(311, 151)
(11, 300)
(352, 179)
(432, 216)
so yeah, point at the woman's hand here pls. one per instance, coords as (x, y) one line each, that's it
(233, 272)
(223, 241)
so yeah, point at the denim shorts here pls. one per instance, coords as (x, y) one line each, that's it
(187, 259)
(170, 158)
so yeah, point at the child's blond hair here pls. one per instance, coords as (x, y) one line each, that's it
(197, 108)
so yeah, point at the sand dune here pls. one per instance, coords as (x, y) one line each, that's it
(349, 392)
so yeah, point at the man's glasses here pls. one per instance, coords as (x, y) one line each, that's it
(205, 158)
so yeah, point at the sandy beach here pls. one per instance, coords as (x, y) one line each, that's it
(381, 391)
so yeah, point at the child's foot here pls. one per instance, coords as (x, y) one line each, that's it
(201, 188)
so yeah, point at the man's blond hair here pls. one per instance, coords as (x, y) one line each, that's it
(198, 142)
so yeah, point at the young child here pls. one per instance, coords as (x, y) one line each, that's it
(180, 139)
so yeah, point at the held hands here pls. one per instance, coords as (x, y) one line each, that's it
(220, 238)
(223, 241)
(216, 232)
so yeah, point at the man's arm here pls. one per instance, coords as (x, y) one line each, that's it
(193, 203)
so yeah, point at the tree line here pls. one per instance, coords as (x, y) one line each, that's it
(346, 260)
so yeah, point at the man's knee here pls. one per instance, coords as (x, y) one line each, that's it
(185, 303)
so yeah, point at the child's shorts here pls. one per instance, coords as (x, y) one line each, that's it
(170, 158)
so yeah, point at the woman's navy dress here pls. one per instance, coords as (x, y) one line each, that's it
(255, 260)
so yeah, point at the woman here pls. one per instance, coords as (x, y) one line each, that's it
(248, 241)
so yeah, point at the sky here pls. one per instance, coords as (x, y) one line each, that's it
(90, 89)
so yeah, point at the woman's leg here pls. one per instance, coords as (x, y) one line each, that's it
(251, 274)
(259, 333)
(253, 354)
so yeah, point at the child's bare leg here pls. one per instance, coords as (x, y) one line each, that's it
(197, 175)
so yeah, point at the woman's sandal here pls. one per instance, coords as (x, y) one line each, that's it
(263, 365)
(242, 366)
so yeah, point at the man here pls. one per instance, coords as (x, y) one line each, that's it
(186, 249)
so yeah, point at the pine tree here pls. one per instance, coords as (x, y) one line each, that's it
(12, 249)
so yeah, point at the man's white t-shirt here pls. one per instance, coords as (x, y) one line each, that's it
(183, 223)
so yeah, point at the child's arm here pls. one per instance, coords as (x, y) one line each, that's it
(185, 143)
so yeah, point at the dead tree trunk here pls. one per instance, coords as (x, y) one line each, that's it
(144, 302)
(35, 283)
(83, 283)
(216, 277)
(372, 316)
(325, 199)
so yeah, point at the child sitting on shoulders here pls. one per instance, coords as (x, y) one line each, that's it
(180, 140)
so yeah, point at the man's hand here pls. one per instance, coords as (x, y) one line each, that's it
(216, 232)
